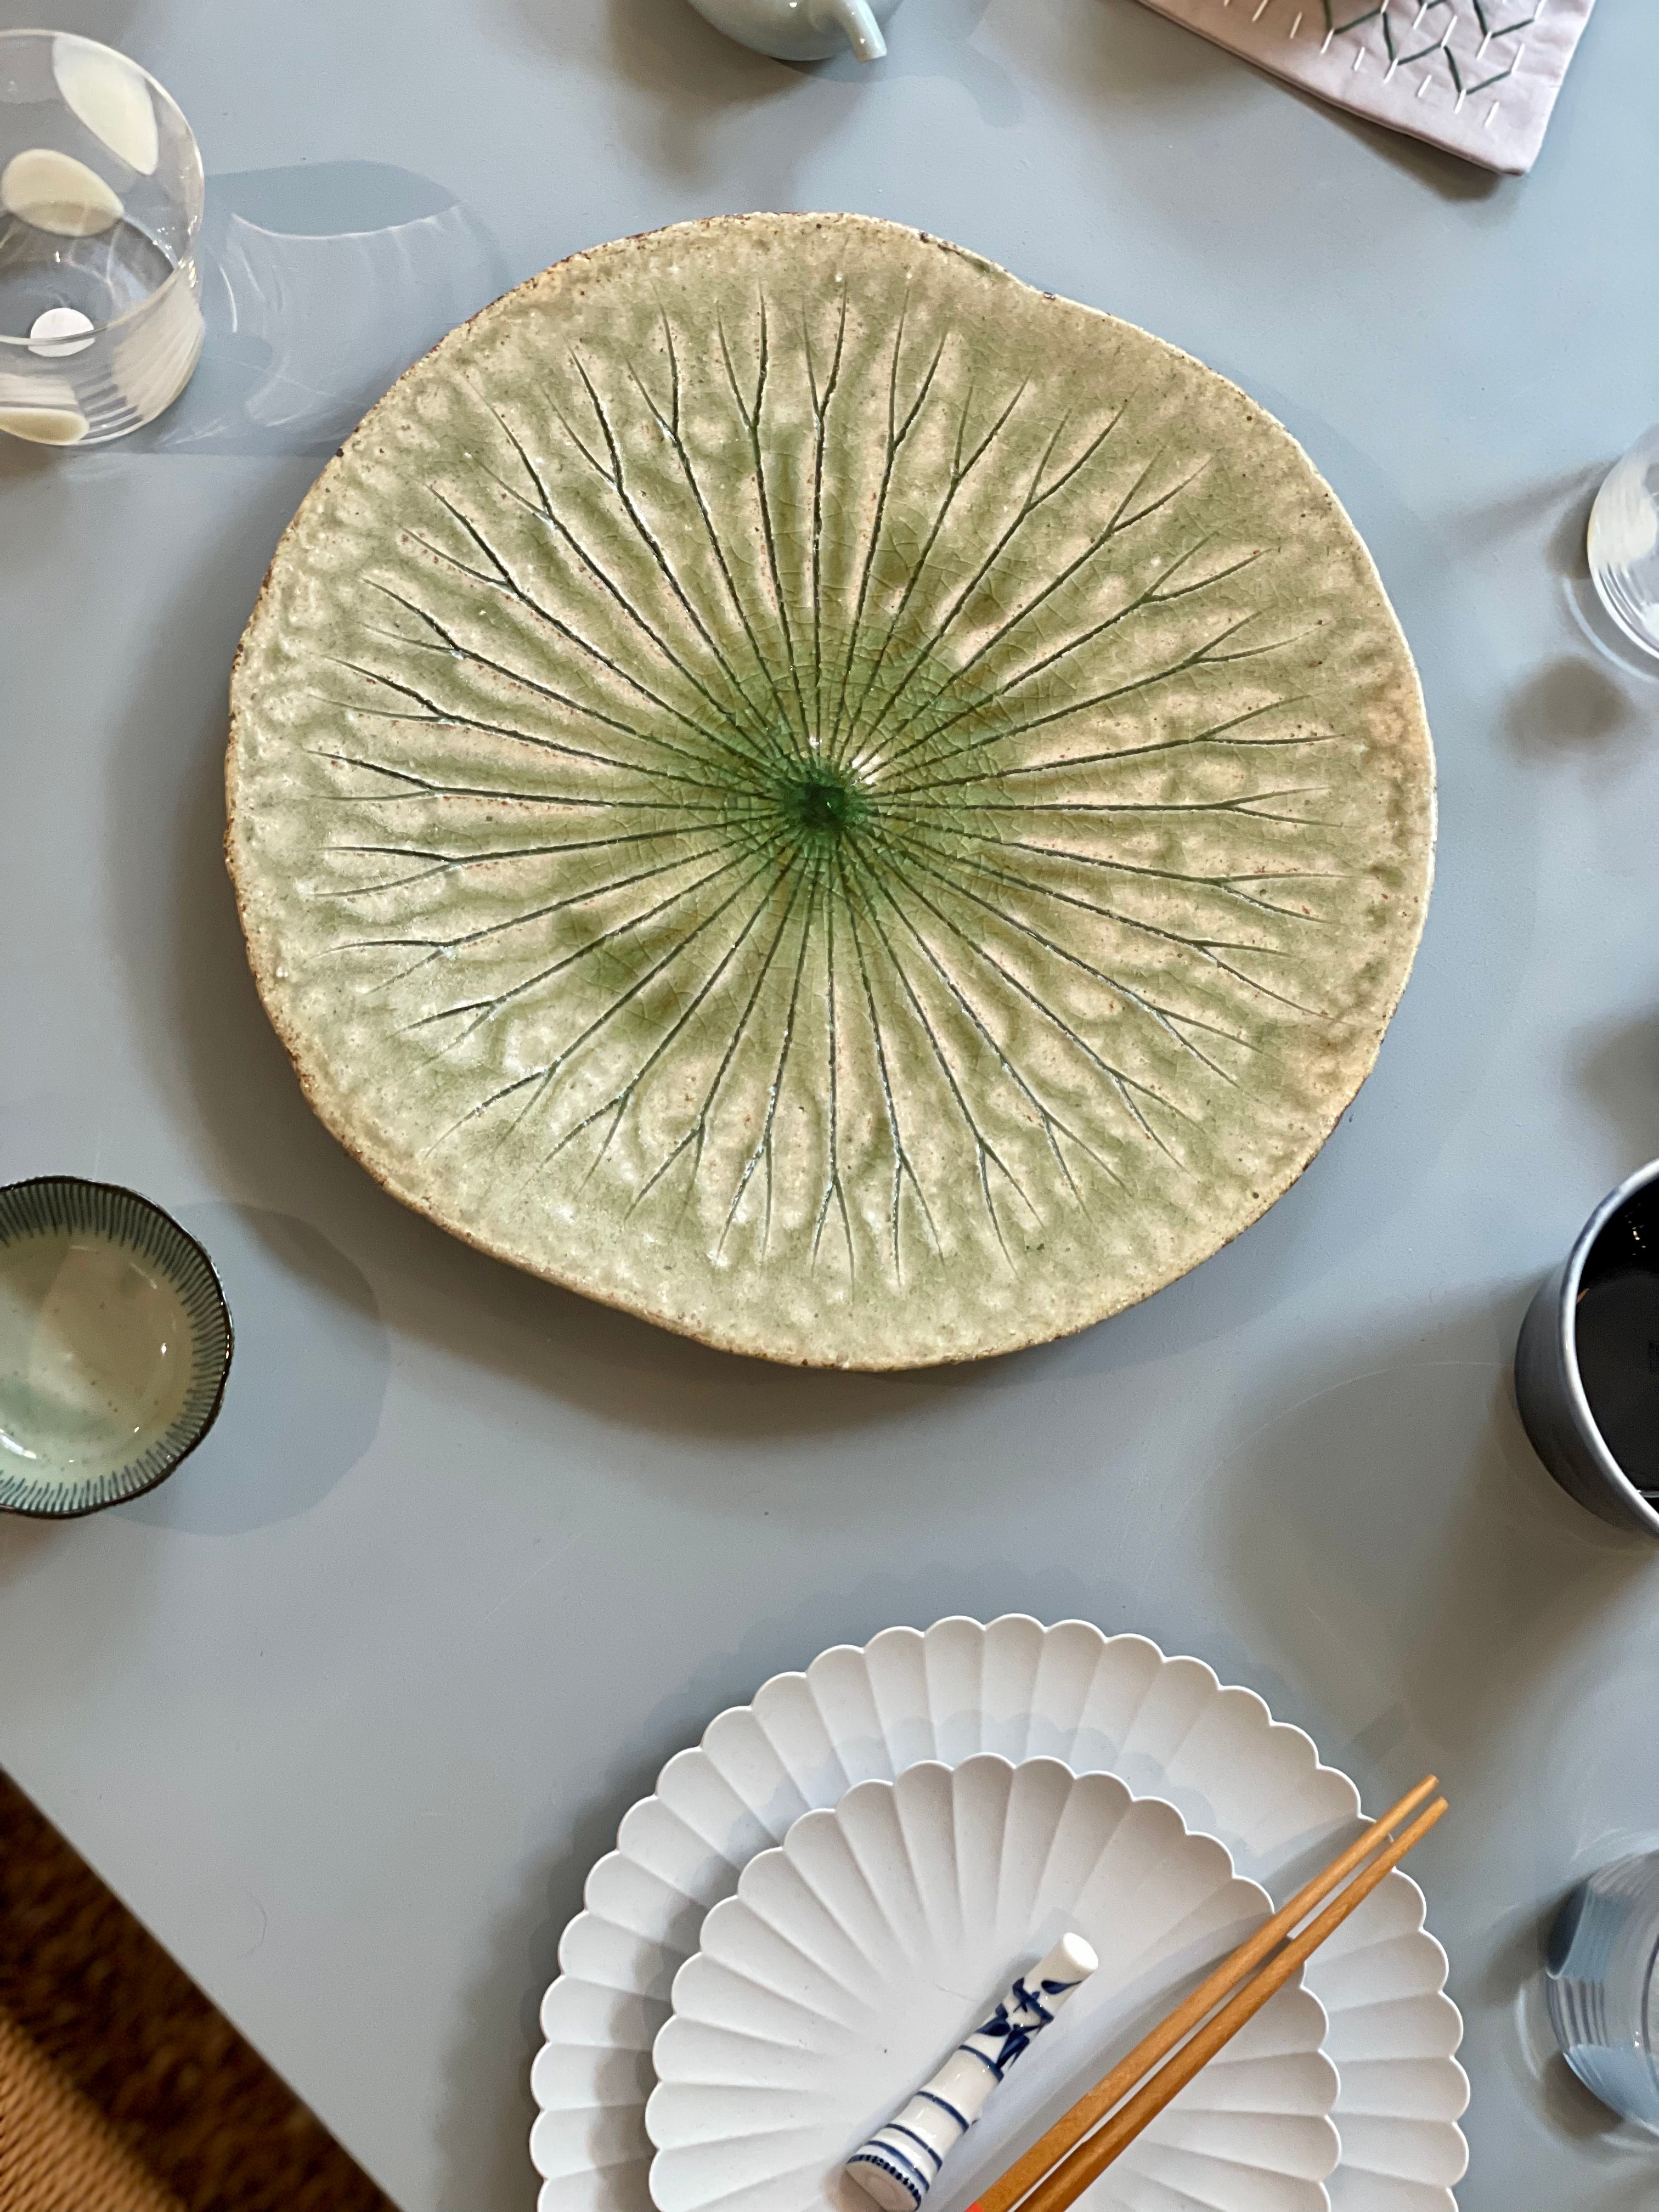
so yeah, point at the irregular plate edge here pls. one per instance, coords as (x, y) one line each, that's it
(1010, 1766)
(703, 1327)
(1023, 1621)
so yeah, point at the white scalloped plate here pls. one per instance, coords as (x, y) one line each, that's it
(861, 1950)
(1112, 1705)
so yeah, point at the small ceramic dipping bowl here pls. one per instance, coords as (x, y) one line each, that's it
(115, 1342)
(1587, 1365)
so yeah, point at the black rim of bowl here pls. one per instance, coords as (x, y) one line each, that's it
(1566, 1321)
(110, 1209)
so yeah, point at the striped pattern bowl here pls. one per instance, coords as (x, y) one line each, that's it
(115, 1344)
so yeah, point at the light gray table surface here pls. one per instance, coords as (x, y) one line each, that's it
(346, 1708)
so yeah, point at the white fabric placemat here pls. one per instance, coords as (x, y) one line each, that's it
(1479, 77)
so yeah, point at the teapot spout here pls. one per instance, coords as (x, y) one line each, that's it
(855, 19)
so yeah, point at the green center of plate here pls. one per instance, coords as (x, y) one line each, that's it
(852, 808)
(820, 804)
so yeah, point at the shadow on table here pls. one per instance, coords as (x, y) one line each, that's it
(1432, 1640)
(111, 20)
(1135, 63)
(307, 1378)
(20, 460)
(703, 95)
(483, 2131)
(1619, 1067)
(1426, 1639)
(320, 285)
(1577, 702)
(214, 1051)
(1514, 1986)
(307, 1381)
(937, 43)
(1463, 986)
(1568, 560)
(1572, 707)
(21, 1542)
(212, 1047)
(1482, 1627)
(701, 88)
(1596, 706)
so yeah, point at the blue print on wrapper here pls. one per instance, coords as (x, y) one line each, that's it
(1015, 2035)
(940, 2113)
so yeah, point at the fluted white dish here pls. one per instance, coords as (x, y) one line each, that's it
(858, 1952)
(1111, 1704)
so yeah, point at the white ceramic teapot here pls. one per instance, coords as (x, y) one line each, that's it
(802, 30)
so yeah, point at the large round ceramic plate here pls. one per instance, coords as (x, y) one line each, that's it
(1112, 1704)
(861, 1950)
(857, 810)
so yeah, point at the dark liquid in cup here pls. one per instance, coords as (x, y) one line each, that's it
(1617, 1326)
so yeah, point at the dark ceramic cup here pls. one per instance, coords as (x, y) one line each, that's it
(1592, 1318)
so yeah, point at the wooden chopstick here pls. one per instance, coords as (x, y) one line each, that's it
(1091, 2157)
(1041, 2159)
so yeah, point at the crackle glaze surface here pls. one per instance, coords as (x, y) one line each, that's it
(799, 787)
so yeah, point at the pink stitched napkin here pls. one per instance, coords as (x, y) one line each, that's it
(1478, 76)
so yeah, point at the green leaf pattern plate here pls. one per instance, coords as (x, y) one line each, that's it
(799, 787)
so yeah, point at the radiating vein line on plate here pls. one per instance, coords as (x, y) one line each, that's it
(1046, 1118)
(670, 425)
(985, 1150)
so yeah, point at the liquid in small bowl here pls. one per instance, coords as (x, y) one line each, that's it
(114, 1345)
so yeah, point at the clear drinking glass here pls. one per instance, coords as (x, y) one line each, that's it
(100, 202)
(1602, 1987)
(1624, 543)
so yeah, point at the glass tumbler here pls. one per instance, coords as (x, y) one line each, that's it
(100, 202)
(1602, 1989)
(1624, 543)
